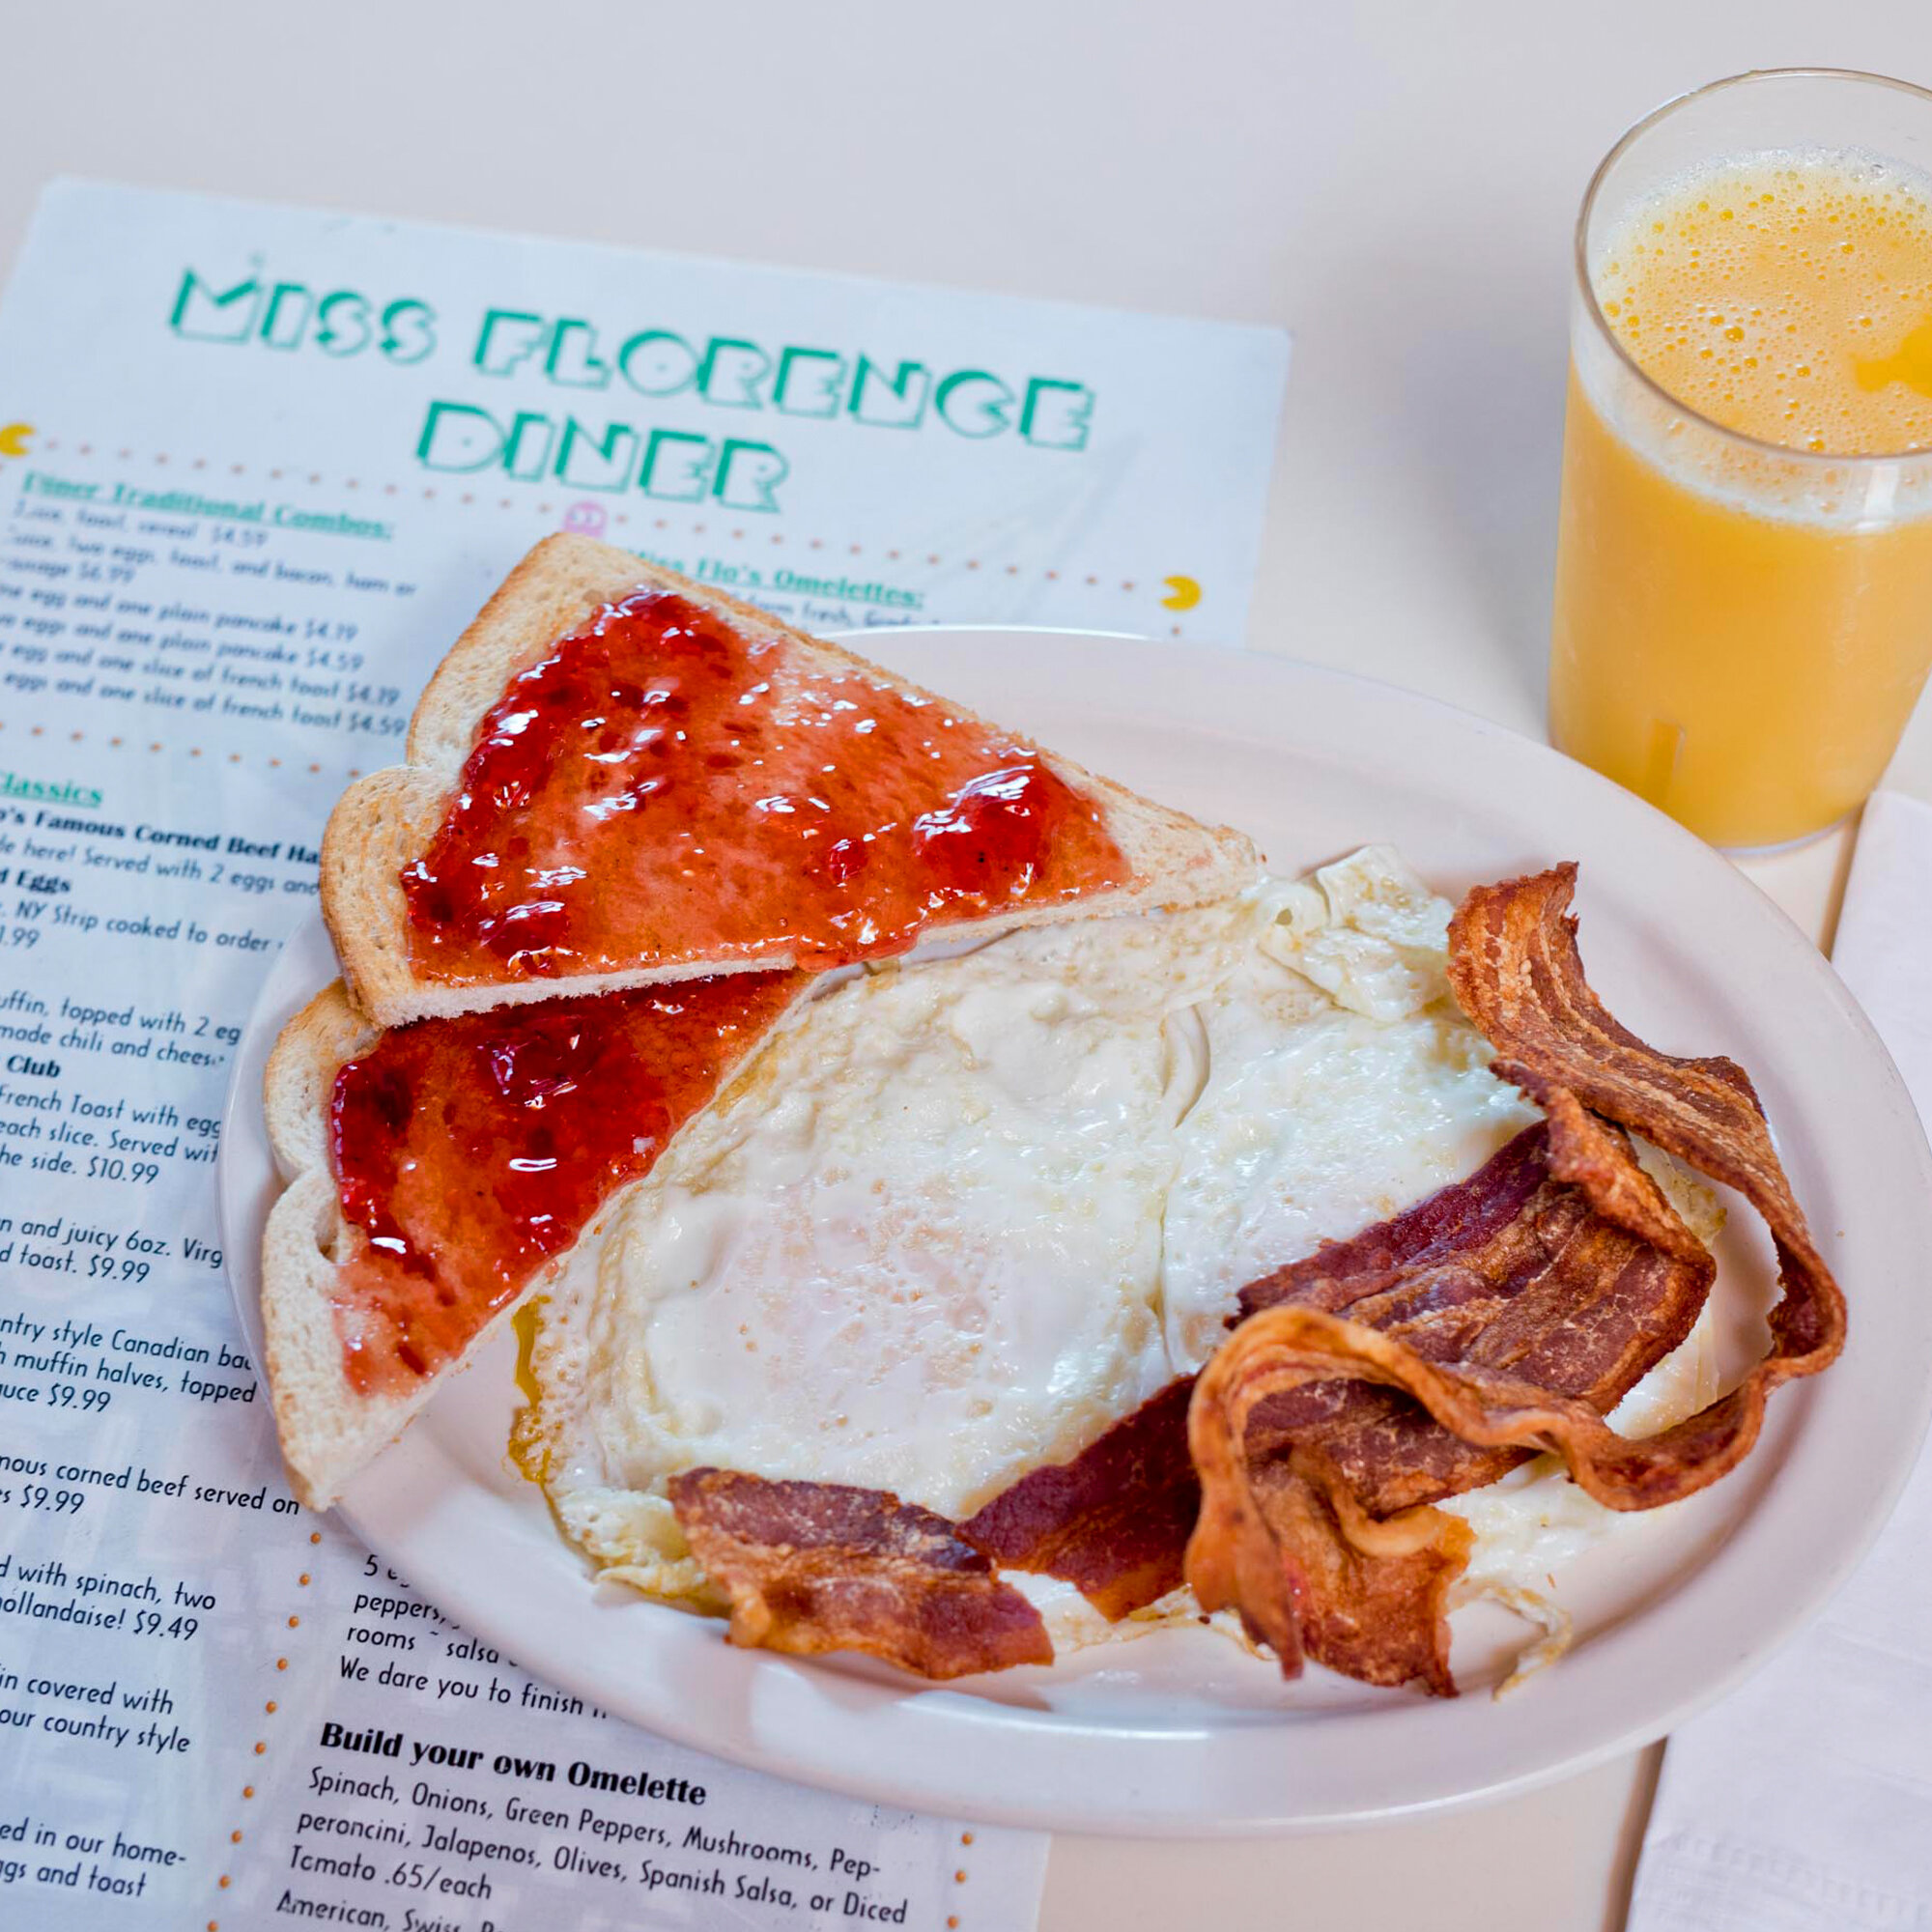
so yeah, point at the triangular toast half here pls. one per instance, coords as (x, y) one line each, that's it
(372, 1294)
(897, 815)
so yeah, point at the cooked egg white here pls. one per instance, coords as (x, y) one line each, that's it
(968, 1211)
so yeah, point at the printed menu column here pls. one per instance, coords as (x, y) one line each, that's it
(423, 1780)
(149, 1544)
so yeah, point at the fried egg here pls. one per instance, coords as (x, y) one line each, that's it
(968, 1211)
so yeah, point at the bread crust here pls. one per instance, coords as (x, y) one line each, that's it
(387, 820)
(329, 1429)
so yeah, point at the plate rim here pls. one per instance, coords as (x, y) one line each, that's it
(1145, 1813)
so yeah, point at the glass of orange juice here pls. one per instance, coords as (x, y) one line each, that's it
(1744, 570)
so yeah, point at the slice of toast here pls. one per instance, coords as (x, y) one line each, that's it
(386, 821)
(329, 1427)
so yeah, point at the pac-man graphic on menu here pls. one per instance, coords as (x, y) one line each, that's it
(1183, 593)
(14, 439)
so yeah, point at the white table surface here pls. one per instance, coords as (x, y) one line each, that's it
(1393, 182)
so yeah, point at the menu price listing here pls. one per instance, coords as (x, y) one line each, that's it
(572, 1818)
(437, 1770)
(482, 1813)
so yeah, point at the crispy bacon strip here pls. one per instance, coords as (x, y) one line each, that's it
(1308, 1568)
(1315, 1473)
(1516, 973)
(1525, 1269)
(812, 1567)
(1511, 1267)
(1115, 1520)
(1270, 1426)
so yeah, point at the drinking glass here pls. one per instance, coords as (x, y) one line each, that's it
(1740, 628)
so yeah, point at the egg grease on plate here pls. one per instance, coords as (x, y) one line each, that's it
(969, 1211)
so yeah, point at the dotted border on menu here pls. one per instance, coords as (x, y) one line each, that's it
(544, 510)
(952, 1920)
(120, 743)
(268, 1709)
(621, 519)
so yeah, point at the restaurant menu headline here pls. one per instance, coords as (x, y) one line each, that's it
(258, 467)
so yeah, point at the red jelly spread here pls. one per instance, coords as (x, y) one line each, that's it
(662, 788)
(471, 1150)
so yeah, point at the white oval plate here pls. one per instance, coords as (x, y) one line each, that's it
(1177, 1731)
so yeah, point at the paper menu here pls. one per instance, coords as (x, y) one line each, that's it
(257, 467)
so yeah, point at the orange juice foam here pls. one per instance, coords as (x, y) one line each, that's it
(1788, 299)
(1740, 635)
